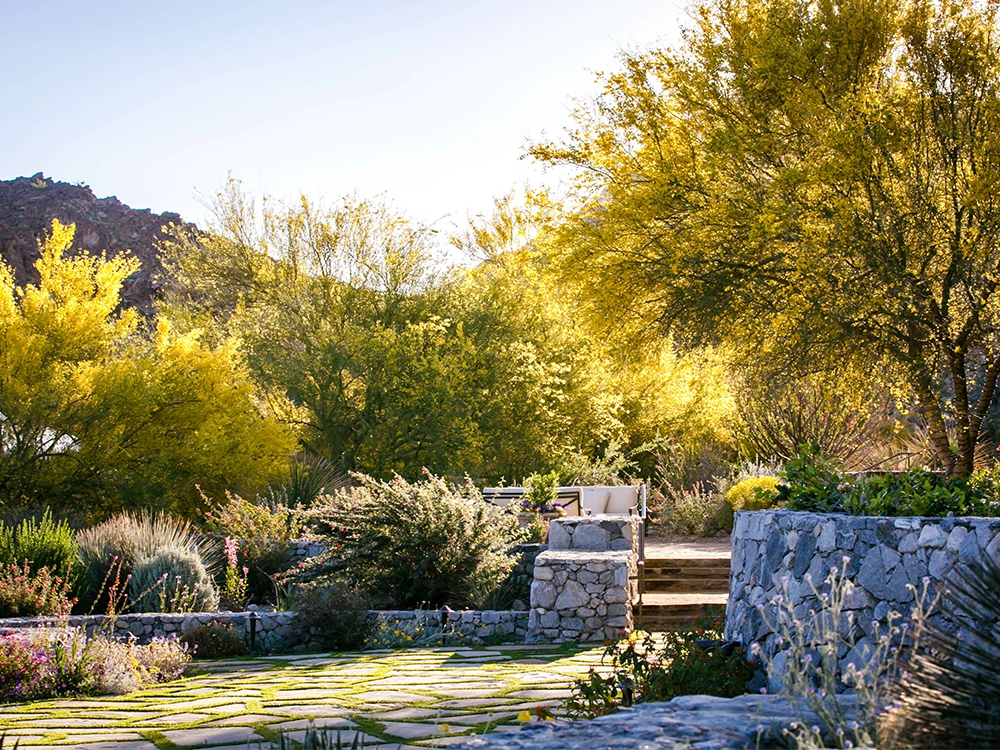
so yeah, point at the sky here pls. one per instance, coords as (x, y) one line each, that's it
(429, 103)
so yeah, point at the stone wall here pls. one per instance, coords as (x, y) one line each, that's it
(585, 584)
(276, 631)
(885, 554)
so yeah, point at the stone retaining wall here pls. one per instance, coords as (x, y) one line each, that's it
(885, 554)
(276, 631)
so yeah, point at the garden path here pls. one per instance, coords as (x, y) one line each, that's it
(407, 699)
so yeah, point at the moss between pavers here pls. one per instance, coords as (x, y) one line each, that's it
(470, 684)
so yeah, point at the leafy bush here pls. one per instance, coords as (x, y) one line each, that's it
(27, 593)
(428, 542)
(755, 493)
(697, 511)
(335, 615)
(111, 549)
(810, 483)
(40, 664)
(239, 518)
(643, 671)
(172, 579)
(215, 641)
(43, 543)
(541, 495)
(265, 528)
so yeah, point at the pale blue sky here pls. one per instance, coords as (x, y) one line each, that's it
(428, 102)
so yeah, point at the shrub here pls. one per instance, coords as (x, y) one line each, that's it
(44, 543)
(810, 483)
(541, 495)
(755, 493)
(243, 519)
(23, 668)
(44, 664)
(642, 671)
(172, 579)
(27, 593)
(697, 511)
(428, 542)
(265, 528)
(950, 687)
(334, 615)
(215, 641)
(111, 549)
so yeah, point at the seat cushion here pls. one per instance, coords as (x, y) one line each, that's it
(621, 500)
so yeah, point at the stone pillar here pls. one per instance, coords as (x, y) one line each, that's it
(584, 585)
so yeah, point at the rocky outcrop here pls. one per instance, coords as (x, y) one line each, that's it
(696, 722)
(29, 204)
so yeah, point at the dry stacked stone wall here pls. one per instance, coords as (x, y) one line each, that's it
(585, 583)
(884, 556)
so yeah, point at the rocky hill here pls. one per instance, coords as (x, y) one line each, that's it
(29, 204)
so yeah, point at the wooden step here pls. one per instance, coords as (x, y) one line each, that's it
(687, 575)
(665, 611)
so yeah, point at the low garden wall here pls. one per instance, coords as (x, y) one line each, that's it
(586, 581)
(276, 631)
(885, 554)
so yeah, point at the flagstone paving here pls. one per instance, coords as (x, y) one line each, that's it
(406, 699)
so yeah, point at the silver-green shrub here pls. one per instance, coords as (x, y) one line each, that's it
(172, 579)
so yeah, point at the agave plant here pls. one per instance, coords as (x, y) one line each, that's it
(949, 692)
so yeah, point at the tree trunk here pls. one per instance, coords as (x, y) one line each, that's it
(938, 432)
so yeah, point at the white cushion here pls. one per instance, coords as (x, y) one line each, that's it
(622, 500)
(595, 500)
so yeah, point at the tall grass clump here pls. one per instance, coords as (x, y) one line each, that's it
(111, 550)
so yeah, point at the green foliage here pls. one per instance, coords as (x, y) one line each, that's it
(428, 542)
(333, 614)
(239, 518)
(696, 511)
(647, 669)
(798, 180)
(172, 579)
(39, 664)
(110, 550)
(42, 542)
(215, 641)
(541, 495)
(754, 493)
(27, 592)
(96, 414)
(812, 484)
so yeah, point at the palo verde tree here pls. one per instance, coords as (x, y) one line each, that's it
(814, 182)
(96, 415)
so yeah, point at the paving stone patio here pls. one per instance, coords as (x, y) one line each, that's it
(405, 699)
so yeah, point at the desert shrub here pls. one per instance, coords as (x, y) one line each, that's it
(26, 593)
(697, 511)
(40, 664)
(811, 483)
(265, 528)
(754, 493)
(428, 542)
(23, 668)
(172, 579)
(541, 496)
(644, 670)
(240, 518)
(42, 542)
(112, 548)
(333, 614)
(950, 687)
(215, 641)
(807, 654)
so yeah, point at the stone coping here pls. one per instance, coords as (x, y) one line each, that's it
(580, 556)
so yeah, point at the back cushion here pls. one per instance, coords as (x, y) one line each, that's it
(596, 501)
(621, 499)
